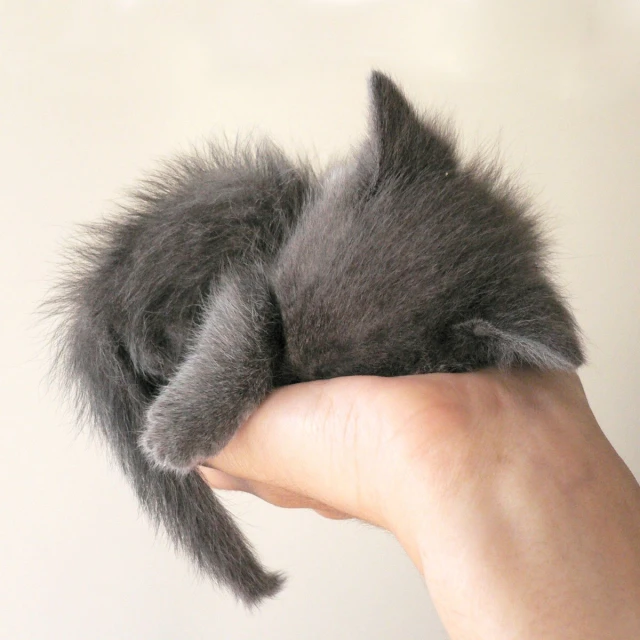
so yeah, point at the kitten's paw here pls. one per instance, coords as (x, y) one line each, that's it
(174, 445)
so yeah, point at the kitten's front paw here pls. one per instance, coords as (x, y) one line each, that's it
(170, 443)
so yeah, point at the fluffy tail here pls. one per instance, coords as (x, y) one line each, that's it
(136, 287)
(114, 396)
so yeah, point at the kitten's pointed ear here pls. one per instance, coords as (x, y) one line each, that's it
(402, 142)
(558, 349)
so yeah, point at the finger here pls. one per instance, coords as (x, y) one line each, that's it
(288, 499)
(274, 495)
(338, 441)
(305, 439)
(332, 514)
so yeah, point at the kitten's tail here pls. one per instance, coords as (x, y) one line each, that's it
(114, 396)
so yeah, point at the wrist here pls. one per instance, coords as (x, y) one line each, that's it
(523, 518)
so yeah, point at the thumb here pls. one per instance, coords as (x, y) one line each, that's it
(322, 440)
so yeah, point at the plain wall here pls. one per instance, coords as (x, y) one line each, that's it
(92, 92)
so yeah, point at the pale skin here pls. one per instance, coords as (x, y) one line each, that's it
(501, 487)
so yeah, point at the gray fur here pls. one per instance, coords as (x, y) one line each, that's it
(236, 272)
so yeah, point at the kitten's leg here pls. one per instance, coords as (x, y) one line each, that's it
(228, 372)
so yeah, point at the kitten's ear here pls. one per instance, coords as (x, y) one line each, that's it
(508, 348)
(402, 142)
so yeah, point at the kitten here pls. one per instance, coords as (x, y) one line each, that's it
(232, 273)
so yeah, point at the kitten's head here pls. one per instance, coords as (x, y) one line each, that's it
(410, 259)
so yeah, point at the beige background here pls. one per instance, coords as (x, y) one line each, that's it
(92, 91)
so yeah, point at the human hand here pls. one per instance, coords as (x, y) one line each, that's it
(329, 445)
(501, 487)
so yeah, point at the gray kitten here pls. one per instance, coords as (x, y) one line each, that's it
(237, 272)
